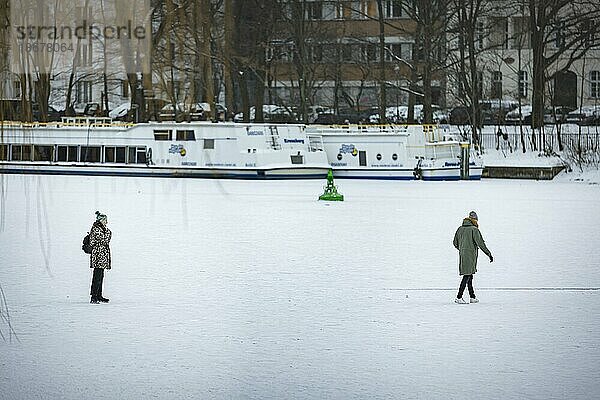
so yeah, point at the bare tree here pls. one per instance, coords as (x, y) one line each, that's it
(562, 32)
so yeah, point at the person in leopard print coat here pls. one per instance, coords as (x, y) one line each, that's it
(100, 237)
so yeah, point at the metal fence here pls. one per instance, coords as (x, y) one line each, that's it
(580, 139)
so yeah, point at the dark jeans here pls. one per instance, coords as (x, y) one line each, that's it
(467, 280)
(96, 290)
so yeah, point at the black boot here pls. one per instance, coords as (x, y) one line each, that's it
(102, 299)
(94, 300)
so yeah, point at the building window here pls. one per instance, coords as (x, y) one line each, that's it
(339, 10)
(85, 55)
(522, 36)
(162, 134)
(499, 32)
(343, 10)
(369, 52)
(479, 35)
(496, 85)
(43, 153)
(365, 9)
(346, 52)
(559, 36)
(401, 50)
(114, 154)
(125, 88)
(90, 153)
(314, 10)
(393, 9)
(186, 135)
(209, 144)
(174, 88)
(523, 84)
(17, 89)
(316, 52)
(66, 154)
(84, 92)
(21, 152)
(137, 155)
(595, 84)
(84, 15)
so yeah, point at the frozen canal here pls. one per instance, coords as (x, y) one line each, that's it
(255, 290)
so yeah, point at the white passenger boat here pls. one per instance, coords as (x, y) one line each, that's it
(96, 146)
(402, 152)
(367, 151)
(442, 162)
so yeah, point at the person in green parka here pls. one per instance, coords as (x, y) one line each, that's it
(468, 241)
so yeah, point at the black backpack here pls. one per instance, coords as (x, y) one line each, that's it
(86, 247)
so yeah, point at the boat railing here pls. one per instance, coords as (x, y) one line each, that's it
(95, 122)
(358, 129)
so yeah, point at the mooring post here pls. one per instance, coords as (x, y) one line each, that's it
(464, 160)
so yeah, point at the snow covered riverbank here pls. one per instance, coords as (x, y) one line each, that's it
(255, 290)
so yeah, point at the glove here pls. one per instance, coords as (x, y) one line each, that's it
(491, 258)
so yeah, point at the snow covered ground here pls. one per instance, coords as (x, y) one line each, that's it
(255, 290)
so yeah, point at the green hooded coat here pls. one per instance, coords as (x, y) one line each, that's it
(468, 241)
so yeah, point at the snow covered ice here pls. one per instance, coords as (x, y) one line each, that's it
(256, 290)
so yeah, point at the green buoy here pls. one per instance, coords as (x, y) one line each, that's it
(331, 193)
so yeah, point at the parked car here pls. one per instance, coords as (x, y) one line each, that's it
(182, 112)
(515, 117)
(172, 112)
(271, 113)
(335, 119)
(460, 116)
(92, 110)
(493, 112)
(53, 115)
(120, 112)
(195, 112)
(221, 111)
(399, 114)
(315, 111)
(556, 115)
(585, 115)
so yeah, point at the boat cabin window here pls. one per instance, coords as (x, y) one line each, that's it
(43, 153)
(137, 155)
(209, 144)
(66, 153)
(3, 152)
(186, 135)
(394, 156)
(114, 154)
(21, 152)
(162, 134)
(297, 159)
(315, 143)
(90, 153)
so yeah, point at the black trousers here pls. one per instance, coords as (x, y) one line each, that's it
(97, 279)
(467, 280)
